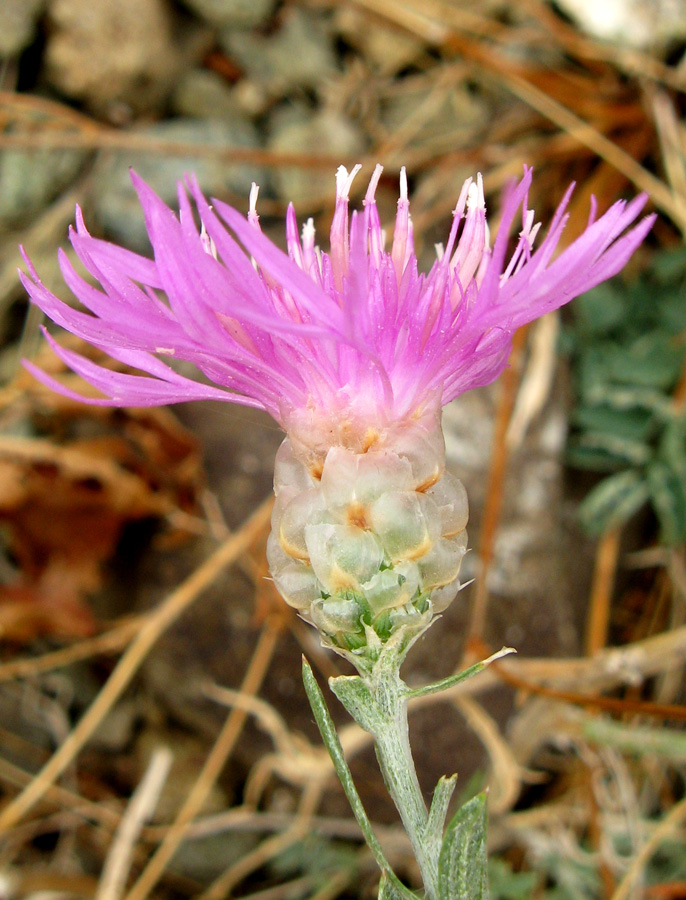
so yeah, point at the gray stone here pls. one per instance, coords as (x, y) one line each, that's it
(17, 24)
(300, 54)
(437, 118)
(534, 579)
(29, 180)
(115, 202)
(296, 130)
(642, 24)
(202, 94)
(232, 13)
(117, 58)
(206, 858)
(387, 48)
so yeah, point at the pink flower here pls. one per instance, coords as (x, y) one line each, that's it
(353, 336)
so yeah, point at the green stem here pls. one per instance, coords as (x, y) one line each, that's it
(391, 735)
(333, 744)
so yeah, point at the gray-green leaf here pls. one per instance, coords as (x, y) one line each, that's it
(388, 890)
(463, 864)
(668, 495)
(356, 698)
(613, 501)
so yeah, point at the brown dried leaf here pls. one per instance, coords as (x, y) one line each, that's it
(68, 490)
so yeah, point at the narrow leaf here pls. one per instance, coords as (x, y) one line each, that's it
(333, 745)
(356, 698)
(388, 890)
(615, 446)
(463, 865)
(668, 495)
(613, 501)
(433, 833)
(445, 683)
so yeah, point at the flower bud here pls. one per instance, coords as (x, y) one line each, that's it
(367, 544)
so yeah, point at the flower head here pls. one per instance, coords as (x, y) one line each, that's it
(334, 345)
(353, 352)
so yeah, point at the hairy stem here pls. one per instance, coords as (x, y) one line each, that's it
(391, 735)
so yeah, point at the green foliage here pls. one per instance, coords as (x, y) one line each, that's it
(317, 856)
(508, 885)
(628, 345)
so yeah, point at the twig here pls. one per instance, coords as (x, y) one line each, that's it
(244, 818)
(59, 796)
(155, 625)
(537, 380)
(604, 572)
(296, 887)
(608, 704)
(214, 764)
(606, 149)
(335, 885)
(109, 139)
(668, 825)
(139, 810)
(506, 775)
(108, 642)
(270, 848)
(494, 494)
(439, 34)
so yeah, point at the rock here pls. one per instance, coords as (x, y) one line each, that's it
(116, 203)
(115, 57)
(202, 94)
(295, 129)
(205, 858)
(232, 13)
(300, 54)
(387, 48)
(17, 24)
(189, 753)
(535, 578)
(30, 180)
(439, 119)
(643, 24)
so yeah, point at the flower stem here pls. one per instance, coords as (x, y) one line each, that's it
(391, 735)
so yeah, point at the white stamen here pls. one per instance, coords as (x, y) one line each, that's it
(403, 183)
(208, 244)
(254, 191)
(253, 218)
(440, 251)
(345, 180)
(373, 183)
(308, 234)
(309, 249)
(462, 199)
(475, 195)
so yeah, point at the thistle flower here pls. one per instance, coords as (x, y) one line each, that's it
(353, 352)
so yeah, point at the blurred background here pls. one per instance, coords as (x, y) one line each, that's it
(154, 735)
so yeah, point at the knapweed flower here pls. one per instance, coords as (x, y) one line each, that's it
(353, 352)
